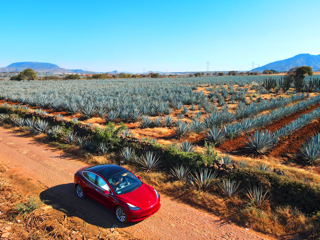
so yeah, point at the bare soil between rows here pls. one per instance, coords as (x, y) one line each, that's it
(237, 144)
(291, 144)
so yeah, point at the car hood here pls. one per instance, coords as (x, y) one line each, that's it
(144, 196)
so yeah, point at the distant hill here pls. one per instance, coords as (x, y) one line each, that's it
(296, 61)
(39, 67)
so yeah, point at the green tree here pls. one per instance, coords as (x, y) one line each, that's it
(27, 74)
(72, 76)
(98, 76)
(221, 74)
(298, 74)
(155, 75)
(124, 75)
(233, 73)
(197, 74)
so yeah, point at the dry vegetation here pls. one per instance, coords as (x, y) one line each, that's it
(24, 216)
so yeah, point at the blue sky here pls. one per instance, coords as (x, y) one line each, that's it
(138, 36)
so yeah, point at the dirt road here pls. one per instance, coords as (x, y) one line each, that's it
(54, 170)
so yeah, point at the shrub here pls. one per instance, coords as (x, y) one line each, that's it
(25, 208)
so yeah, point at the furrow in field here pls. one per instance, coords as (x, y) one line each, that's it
(239, 142)
(291, 144)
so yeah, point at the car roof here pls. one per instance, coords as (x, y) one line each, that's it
(107, 170)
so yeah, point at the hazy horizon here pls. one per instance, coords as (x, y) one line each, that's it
(146, 36)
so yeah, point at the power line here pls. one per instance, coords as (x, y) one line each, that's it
(208, 64)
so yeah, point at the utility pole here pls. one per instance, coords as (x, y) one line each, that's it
(252, 65)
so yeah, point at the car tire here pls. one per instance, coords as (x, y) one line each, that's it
(80, 192)
(121, 214)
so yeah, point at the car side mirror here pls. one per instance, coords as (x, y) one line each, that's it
(139, 177)
(106, 192)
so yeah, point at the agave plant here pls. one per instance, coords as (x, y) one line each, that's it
(203, 178)
(229, 187)
(18, 121)
(180, 172)
(102, 148)
(54, 132)
(60, 117)
(182, 129)
(70, 137)
(41, 111)
(261, 142)
(185, 110)
(89, 110)
(310, 152)
(146, 122)
(75, 120)
(29, 122)
(186, 146)
(89, 145)
(101, 112)
(4, 118)
(215, 135)
(126, 133)
(149, 161)
(157, 122)
(226, 160)
(111, 116)
(79, 141)
(256, 195)
(243, 164)
(128, 154)
(168, 121)
(40, 126)
(197, 126)
(263, 167)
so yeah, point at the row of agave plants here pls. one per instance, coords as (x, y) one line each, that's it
(202, 178)
(261, 142)
(216, 118)
(218, 135)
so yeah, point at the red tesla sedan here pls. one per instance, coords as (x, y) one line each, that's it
(119, 190)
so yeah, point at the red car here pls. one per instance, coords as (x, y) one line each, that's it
(119, 190)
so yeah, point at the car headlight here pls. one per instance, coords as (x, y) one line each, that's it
(132, 207)
(156, 193)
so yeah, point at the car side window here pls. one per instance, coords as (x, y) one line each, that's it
(90, 176)
(102, 183)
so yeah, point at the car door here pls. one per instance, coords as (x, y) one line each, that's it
(107, 199)
(89, 186)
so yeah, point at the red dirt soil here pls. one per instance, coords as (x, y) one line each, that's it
(292, 143)
(239, 142)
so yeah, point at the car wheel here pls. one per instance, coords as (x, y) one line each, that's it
(80, 192)
(121, 214)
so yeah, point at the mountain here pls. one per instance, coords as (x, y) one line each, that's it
(296, 61)
(39, 67)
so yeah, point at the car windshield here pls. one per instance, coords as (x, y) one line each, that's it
(124, 182)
